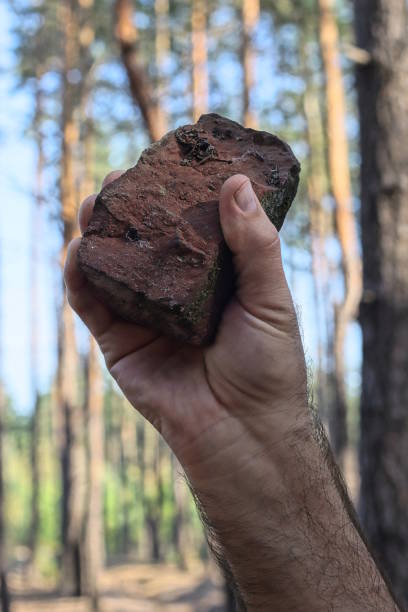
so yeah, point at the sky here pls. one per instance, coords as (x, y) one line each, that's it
(17, 165)
(17, 173)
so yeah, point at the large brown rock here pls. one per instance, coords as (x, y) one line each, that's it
(154, 249)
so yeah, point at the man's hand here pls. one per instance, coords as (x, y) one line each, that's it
(236, 415)
(199, 398)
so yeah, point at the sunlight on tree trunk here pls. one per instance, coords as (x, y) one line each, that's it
(71, 432)
(320, 229)
(250, 17)
(199, 58)
(94, 534)
(345, 220)
(36, 239)
(162, 47)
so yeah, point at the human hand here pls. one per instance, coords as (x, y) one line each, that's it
(236, 415)
(252, 377)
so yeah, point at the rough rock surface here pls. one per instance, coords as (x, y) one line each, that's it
(154, 249)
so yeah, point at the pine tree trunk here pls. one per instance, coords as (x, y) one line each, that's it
(153, 493)
(345, 221)
(94, 534)
(71, 431)
(319, 223)
(162, 47)
(140, 87)
(382, 31)
(140, 458)
(249, 18)
(199, 58)
(124, 434)
(179, 535)
(35, 253)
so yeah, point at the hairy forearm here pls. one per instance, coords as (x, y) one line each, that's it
(284, 528)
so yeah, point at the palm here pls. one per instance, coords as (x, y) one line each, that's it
(180, 387)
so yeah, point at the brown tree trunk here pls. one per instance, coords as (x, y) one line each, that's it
(125, 441)
(35, 253)
(320, 228)
(94, 550)
(179, 535)
(345, 220)
(94, 534)
(153, 497)
(250, 16)
(382, 28)
(199, 58)
(162, 46)
(72, 443)
(140, 87)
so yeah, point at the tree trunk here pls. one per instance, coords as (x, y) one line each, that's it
(35, 254)
(249, 18)
(179, 535)
(199, 58)
(125, 435)
(320, 228)
(162, 45)
(382, 28)
(140, 87)
(153, 491)
(72, 446)
(94, 534)
(345, 220)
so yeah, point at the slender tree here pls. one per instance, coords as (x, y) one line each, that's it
(179, 530)
(162, 48)
(249, 19)
(319, 221)
(382, 28)
(94, 535)
(345, 221)
(34, 263)
(139, 82)
(199, 58)
(72, 443)
(93, 556)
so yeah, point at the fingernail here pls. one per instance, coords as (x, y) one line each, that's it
(245, 197)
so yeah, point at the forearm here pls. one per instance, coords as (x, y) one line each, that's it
(282, 522)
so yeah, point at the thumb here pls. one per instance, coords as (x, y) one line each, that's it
(254, 241)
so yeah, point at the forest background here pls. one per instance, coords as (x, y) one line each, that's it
(90, 497)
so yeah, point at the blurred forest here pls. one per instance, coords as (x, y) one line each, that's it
(85, 483)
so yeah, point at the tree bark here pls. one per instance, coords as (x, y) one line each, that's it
(140, 87)
(320, 223)
(179, 532)
(35, 253)
(153, 498)
(94, 534)
(199, 58)
(249, 17)
(381, 29)
(71, 430)
(345, 220)
(162, 47)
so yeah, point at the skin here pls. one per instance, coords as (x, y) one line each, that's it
(236, 415)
